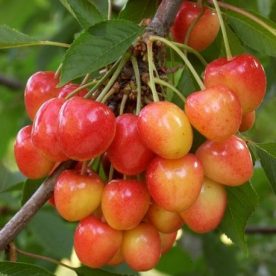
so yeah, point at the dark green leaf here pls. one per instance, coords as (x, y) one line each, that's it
(20, 269)
(8, 179)
(241, 203)
(267, 155)
(101, 45)
(254, 35)
(86, 271)
(30, 186)
(121, 269)
(136, 10)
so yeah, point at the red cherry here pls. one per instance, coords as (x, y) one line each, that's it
(248, 121)
(30, 160)
(243, 75)
(127, 153)
(167, 241)
(45, 127)
(86, 128)
(40, 87)
(215, 112)
(70, 87)
(204, 31)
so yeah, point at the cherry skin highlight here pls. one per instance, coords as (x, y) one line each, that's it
(167, 241)
(77, 196)
(30, 160)
(95, 242)
(248, 121)
(227, 162)
(207, 212)
(69, 88)
(215, 112)
(175, 184)
(86, 128)
(243, 75)
(141, 247)
(205, 29)
(125, 203)
(165, 129)
(127, 152)
(40, 87)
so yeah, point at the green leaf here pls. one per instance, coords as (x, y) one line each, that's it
(8, 179)
(102, 6)
(252, 34)
(19, 269)
(86, 271)
(11, 38)
(241, 203)
(267, 155)
(30, 186)
(136, 10)
(101, 45)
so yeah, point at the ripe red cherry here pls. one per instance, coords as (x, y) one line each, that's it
(45, 127)
(127, 153)
(95, 242)
(215, 112)
(70, 87)
(165, 129)
(243, 75)
(118, 258)
(86, 128)
(167, 241)
(141, 247)
(40, 87)
(125, 203)
(207, 212)
(77, 196)
(204, 31)
(248, 121)
(175, 184)
(30, 160)
(227, 162)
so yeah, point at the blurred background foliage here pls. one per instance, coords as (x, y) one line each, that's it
(48, 234)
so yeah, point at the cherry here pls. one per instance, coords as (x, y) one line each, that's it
(70, 87)
(77, 196)
(127, 153)
(215, 112)
(86, 128)
(165, 129)
(141, 247)
(205, 29)
(243, 75)
(45, 127)
(30, 160)
(118, 258)
(167, 241)
(164, 221)
(175, 184)
(227, 162)
(208, 210)
(248, 121)
(125, 203)
(40, 87)
(95, 242)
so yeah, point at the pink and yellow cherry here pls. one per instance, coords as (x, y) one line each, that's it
(125, 203)
(164, 221)
(95, 242)
(118, 258)
(45, 127)
(69, 88)
(30, 160)
(207, 212)
(86, 128)
(40, 87)
(141, 247)
(215, 112)
(227, 162)
(175, 184)
(167, 241)
(248, 121)
(127, 152)
(165, 129)
(205, 29)
(243, 75)
(77, 196)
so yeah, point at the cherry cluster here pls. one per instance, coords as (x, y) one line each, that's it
(158, 183)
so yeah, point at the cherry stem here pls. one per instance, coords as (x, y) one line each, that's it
(57, 73)
(138, 83)
(111, 172)
(151, 74)
(109, 14)
(44, 258)
(85, 79)
(246, 14)
(223, 30)
(177, 92)
(183, 56)
(84, 167)
(75, 91)
(39, 43)
(123, 104)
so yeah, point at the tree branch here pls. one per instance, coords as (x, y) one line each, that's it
(30, 208)
(260, 230)
(10, 83)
